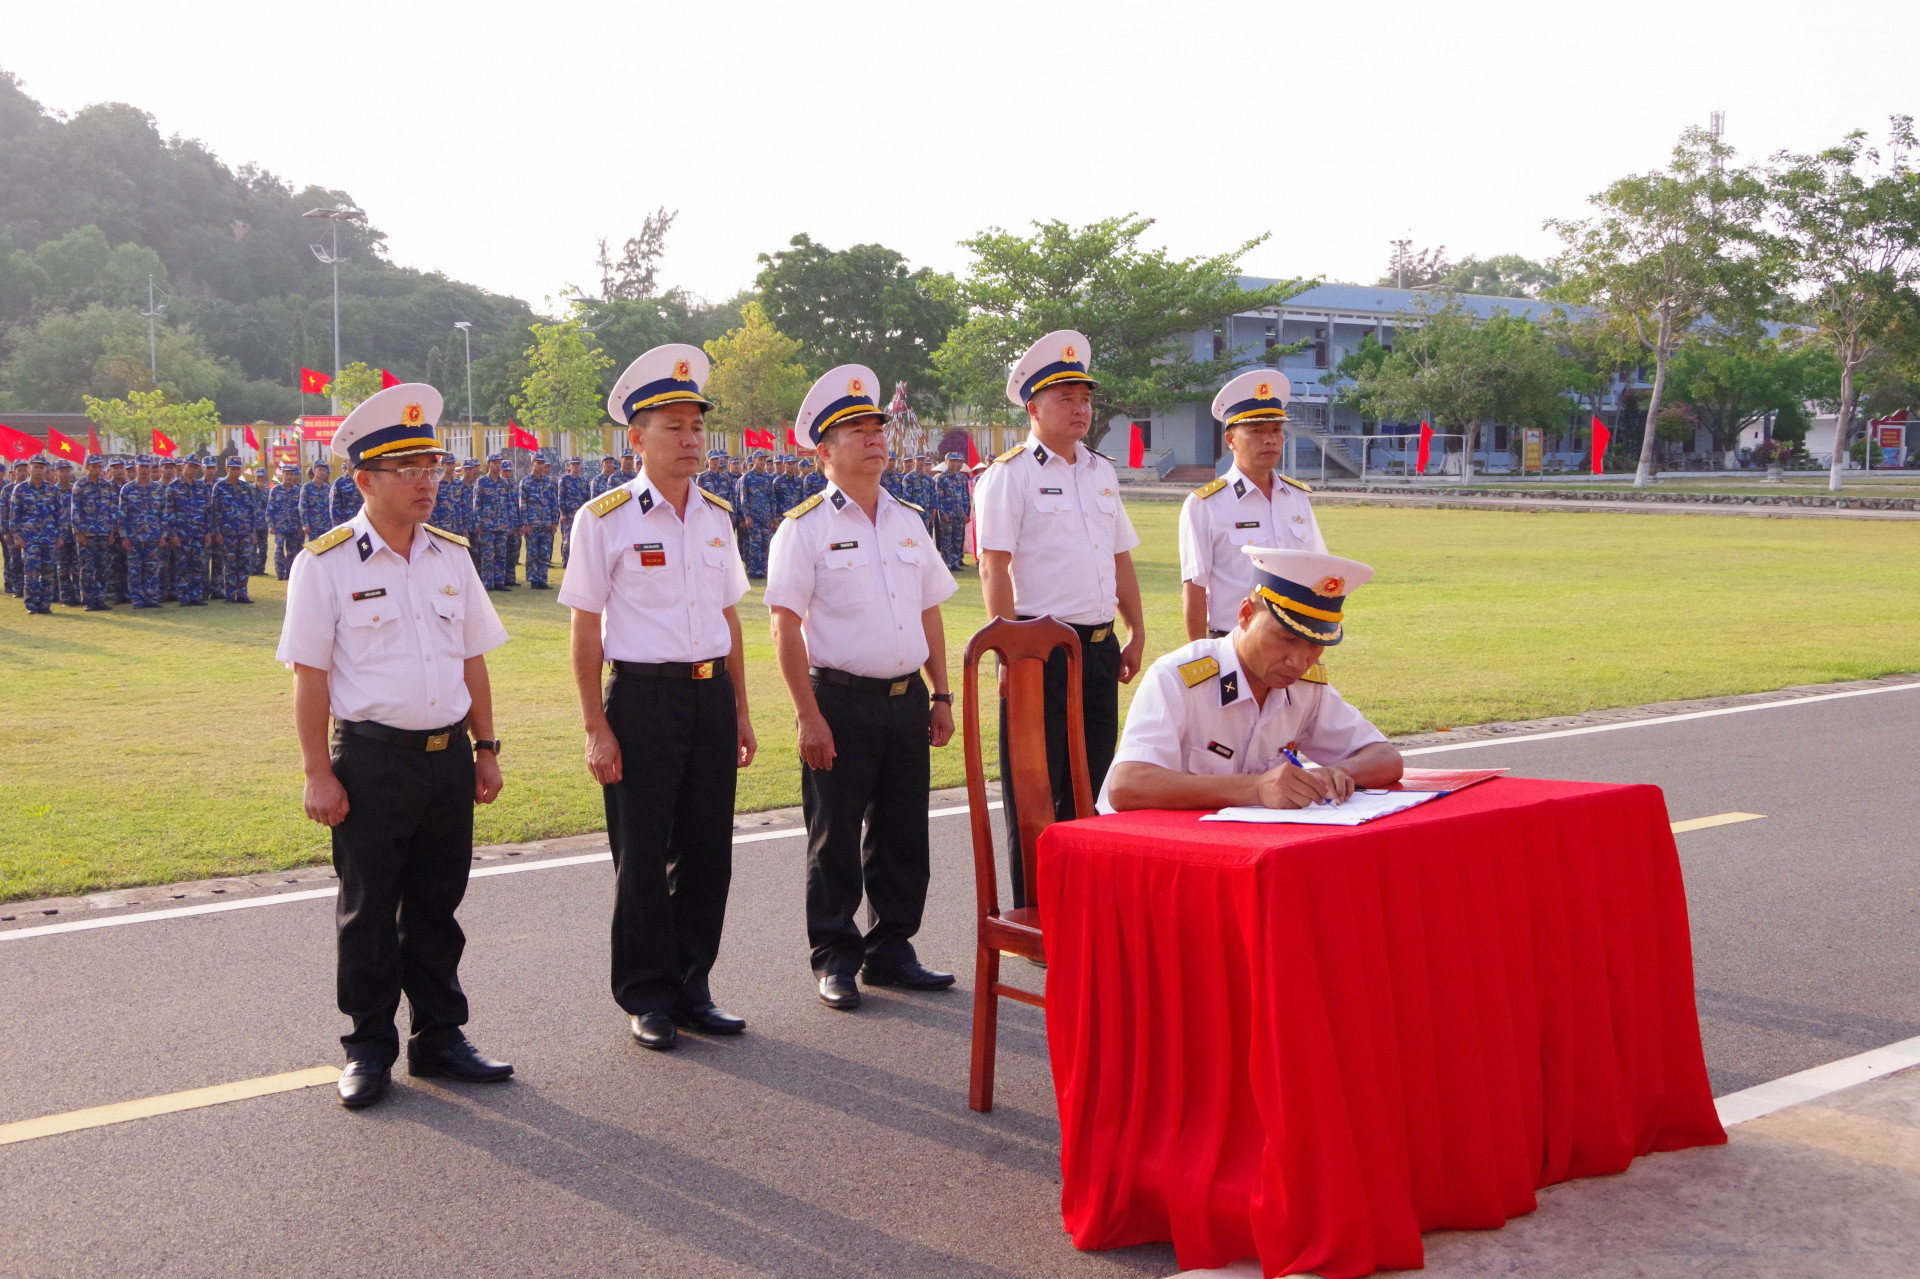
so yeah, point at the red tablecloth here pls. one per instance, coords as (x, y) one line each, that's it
(1310, 1044)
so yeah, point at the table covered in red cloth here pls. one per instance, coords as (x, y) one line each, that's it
(1309, 1044)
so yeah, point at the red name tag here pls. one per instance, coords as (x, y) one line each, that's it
(653, 559)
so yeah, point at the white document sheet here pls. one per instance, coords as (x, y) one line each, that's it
(1364, 807)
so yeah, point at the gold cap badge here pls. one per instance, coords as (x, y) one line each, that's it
(856, 386)
(1331, 586)
(412, 415)
(682, 370)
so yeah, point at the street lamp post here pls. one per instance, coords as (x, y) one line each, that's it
(335, 216)
(153, 350)
(466, 337)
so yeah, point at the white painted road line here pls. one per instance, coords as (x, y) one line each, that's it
(316, 894)
(166, 1104)
(1658, 719)
(1808, 1085)
(1719, 819)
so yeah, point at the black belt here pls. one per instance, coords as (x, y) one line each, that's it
(431, 739)
(864, 683)
(673, 670)
(1212, 634)
(1088, 634)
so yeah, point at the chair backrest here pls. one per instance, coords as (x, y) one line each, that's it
(1023, 649)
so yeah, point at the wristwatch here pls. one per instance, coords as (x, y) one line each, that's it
(944, 697)
(487, 744)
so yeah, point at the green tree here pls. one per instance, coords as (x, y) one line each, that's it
(1668, 258)
(1139, 308)
(191, 426)
(1504, 275)
(562, 390)
(1464, 375)
(102, 351)
(1846, 225)
(353, 384)
(860, 306)
(626, 329)
(1731, 384)
(757, 379)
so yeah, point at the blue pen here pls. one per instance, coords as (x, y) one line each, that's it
(1295, 761)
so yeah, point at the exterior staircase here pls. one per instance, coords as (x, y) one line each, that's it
(1341, 457)
(1190, 475)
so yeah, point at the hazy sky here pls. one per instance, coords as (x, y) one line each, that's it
(496, 142)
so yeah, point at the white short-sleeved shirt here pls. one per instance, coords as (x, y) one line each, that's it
(393, 633)
(858, 586)
(1215, 522)
(661, 584)
(1193, 714)
(1063, 522)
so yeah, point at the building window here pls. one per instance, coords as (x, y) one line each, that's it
(1219, 342)
(1146, 432)
(1273, 334)
(1319, 348)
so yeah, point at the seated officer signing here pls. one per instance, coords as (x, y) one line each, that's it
(1214, 723)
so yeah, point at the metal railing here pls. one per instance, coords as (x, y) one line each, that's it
(1379, 456)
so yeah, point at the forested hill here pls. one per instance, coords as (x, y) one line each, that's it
(92, 204)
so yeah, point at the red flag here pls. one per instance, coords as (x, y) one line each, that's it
(161, 444)
(387, 379)
(973, 452)
(1136, 449)
(17, 445)
(759, 439)
(313, 382)
(1601, 435)
(253, 441)
(793, 445)
(60, 446)
(520, 438)
(93, 439)
(1426, 447)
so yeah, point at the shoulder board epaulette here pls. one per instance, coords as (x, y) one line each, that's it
(455, 538)
(911, 506)
(717, 500)
(1097, 453)
(611, 500)
(330, 539)
(1302, 485)
(1200, 668)
(1211, 487)
(805, 506)
(1013, 452)
(1315, 674)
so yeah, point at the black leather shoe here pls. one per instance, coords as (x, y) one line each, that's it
(912, 974)
(654, 1030)
(458, 1060)
(362, 1084)
(838, 991)
(707, 1019)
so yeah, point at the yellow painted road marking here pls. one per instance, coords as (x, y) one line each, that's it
(1722, 819)
(165, 1104)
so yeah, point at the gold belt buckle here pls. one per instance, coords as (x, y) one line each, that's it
(703, 670)
(1100, 634)
(438, 742)
(899, 687)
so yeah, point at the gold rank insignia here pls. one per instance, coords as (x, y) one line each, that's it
(1010, 453)
(716, 499)
(1302, 485)
(1199, 669)
(455, 538)
(611, 500)
(805, 506)
(1315, 674)
(911, 506)
(330, 539)
(1209, 489)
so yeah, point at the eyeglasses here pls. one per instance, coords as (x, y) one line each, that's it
(407, 474)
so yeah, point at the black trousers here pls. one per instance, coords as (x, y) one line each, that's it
(867, 827)
(402, 855)
(670, 822)
(1100, 716)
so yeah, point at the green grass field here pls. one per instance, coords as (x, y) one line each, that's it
(148, 747)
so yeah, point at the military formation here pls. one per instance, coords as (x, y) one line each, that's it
(152, 530)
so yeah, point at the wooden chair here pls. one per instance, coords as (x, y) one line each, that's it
(1023, 648)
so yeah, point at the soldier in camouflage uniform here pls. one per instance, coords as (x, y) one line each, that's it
(629, 467)
(450, 501)
(470, 480)
(283, 518)
(716, 481)
(917, 486)
(67, 557)
(94, 511)
(494, 517)
(539, 513)
(217, 548)
(262, 523)
(316, 495)
(231, 517)
(8, 551)
(609, 477)
(190, 531)
(168, 471)
(517, 536)
(953, 501)
(143, 522)
(117, 592)
(343, 500)
(786, 484)
(576, 490)
(759, 513)
(814, 480)
(34, 513)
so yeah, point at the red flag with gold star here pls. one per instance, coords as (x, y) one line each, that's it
(60, 446)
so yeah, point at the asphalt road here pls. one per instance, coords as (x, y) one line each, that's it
(820, 1143)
